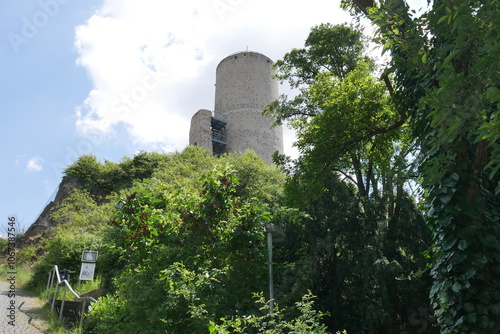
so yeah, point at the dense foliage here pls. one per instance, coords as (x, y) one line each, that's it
(178, 251)
(191, 254)
(445, 68)
(102, 179)
(182, 248)
(367, 271)
(365, 236)
(185, 251)
(187, 258)
(344, 117)
(81, 223)
(308, 321)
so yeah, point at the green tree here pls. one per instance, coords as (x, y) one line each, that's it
(103, 179)
(86, 169)
(341, 137)
(190, 258)
(333, 49)
(364, 274)
(344, 118)
(445, 68)
(357, 239)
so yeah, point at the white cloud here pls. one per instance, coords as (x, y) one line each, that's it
(137, 55)
(152, 63)
(34, 164)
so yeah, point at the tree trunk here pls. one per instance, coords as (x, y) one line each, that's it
(359, 175)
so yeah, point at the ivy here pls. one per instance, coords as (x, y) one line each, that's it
(445, 66)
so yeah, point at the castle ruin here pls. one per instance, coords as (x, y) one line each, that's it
(244, 85)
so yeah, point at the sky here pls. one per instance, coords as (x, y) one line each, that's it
(115, 77)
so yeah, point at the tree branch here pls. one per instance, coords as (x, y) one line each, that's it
(347, 176)
(387, 82)
(363, 5)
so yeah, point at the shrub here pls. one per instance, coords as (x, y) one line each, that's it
(308, 321)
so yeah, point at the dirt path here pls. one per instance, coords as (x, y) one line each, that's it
(19, 312)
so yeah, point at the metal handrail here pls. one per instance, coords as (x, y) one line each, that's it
(54, 273)
(218, 135)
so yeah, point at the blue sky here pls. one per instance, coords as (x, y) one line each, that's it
(40, 86)
(114, 77)
(68, 66)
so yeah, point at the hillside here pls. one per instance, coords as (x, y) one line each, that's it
(43, 225)
(182, 236)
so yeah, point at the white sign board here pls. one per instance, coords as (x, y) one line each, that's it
(87, 271)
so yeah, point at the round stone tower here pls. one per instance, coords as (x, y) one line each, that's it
(244, 86)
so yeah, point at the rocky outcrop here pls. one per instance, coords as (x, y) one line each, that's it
(41, 228)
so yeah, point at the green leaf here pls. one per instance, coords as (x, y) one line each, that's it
(458, 257)
(211, 328)
(484, 321)
(494, 171)
(442, 18)
(450, 243)
(469, 273)
(451, 181)
(450, 57)
(445, 221)
(463, 244)
(425, 58)
(490, 241)
(434, 290)
(493, 94)
(445, 199)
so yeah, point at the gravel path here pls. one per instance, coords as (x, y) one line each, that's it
(20, 313)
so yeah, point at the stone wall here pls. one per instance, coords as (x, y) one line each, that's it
(200, 133)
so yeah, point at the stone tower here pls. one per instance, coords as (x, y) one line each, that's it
(244, 86)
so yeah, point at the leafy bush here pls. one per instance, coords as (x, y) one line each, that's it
(87, 169)
(110, 308)
(27, 255)
(308, 320)
(3, 243)
(104, 179)
(80, 225)
(191, 257)
(64, 250)
(187, 248)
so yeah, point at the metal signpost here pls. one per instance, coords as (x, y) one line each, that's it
(274, 234)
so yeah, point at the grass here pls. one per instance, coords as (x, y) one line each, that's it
(68, 327)
(84, 287)
(23, 276)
